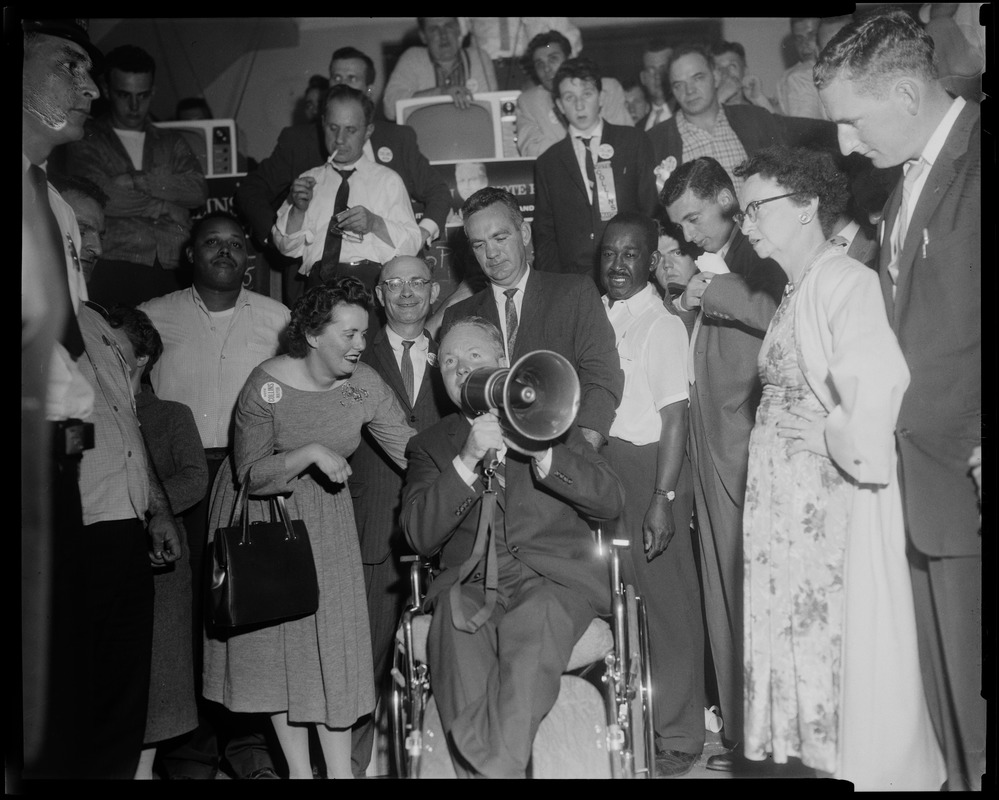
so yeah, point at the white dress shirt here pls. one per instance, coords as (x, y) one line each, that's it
(377, 188)
(518, 301)
(417, 354)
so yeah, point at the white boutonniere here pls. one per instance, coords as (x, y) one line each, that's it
(431, 359)
(663, 171)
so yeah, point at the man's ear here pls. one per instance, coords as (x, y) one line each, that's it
(525, 232)
(189, 251)
(909, 94)
(726, 200)
(435, 290)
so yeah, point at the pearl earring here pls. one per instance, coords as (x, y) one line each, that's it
(805, 219)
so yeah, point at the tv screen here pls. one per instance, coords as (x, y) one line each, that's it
(446, 132)
(213, 141)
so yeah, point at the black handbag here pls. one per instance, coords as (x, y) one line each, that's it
(262, 572)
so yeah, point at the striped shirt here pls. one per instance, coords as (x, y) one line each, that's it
(208, 357)
(721, 144)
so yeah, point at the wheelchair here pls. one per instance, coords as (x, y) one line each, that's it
(589, 733)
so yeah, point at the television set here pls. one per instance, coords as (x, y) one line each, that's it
(213, 142)
(485, 130)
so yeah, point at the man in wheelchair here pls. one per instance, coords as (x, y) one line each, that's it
(508, 607)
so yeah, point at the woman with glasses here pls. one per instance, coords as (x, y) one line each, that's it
(831, 662)
(298, 418)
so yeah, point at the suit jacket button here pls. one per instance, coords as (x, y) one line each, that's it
(477, 576)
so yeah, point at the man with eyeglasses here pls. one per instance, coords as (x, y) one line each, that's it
(737, 293)
(405, 355)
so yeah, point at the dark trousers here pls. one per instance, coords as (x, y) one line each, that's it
(671, 592)
(719, 530)
(119, 603)
(387, 588)
(493, 687)
(55, 629)
(243, 737)
(948, 599)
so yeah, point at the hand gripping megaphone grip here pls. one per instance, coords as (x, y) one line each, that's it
(538, 396)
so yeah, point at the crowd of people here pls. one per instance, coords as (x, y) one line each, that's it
(747, 288)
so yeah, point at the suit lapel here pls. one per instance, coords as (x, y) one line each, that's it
(938, 181)
(567, 152)
(425, 384)
(389, 369)
(531, 313)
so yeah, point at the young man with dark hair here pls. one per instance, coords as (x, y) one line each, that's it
(878, 82)
(596, 171)
(153, 181)
(540, 124)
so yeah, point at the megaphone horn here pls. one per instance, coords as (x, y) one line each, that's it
(538, 396)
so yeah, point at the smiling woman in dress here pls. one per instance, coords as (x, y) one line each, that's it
(298, 418)
(831, 661)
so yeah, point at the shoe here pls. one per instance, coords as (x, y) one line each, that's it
(723, 762)
(674, 763)
(266, 773)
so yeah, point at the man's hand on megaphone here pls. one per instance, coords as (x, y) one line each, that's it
(658, 527)
(485, 435)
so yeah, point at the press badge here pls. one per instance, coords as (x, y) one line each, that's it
(606, 195)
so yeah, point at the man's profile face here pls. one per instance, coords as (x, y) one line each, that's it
(463, 349)
(876, 128)
(442, 36)
(704, 221)
(579, 101)
(469, 177)
(345, 130)
(90, 219)
(56, 87)
(131, 94)
(351, 71)
(625, 260)
(694, 83)
(218, 253)
(634, 100)
(499, 244)
(409, 305)
(546, 61)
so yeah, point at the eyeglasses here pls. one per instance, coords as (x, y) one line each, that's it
(754, 207)
(395, 285)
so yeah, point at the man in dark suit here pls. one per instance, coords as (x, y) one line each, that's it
(702, 126)
(596, 171)
(878, 83)
(498, 646)
(406, 291)
(301, 147)
(540, 310)
(737, 293)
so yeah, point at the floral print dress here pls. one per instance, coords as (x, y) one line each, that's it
(794, 534)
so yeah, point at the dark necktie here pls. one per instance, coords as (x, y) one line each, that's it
(591, 174)
(511, 322)
(334, 239)
(71, 337)
(407, 369)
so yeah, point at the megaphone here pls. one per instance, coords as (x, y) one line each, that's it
(538, 396)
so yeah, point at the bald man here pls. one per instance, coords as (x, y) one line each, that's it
(406, 291)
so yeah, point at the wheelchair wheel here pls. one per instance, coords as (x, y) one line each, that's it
(410, 688)
(643, 741)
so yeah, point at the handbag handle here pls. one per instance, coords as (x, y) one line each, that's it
(243, 505)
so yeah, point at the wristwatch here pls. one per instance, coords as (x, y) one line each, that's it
(669, 495)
